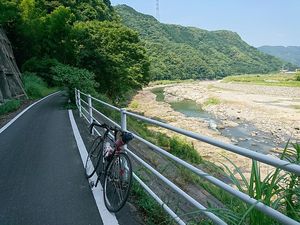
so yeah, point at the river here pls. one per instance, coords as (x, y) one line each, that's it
(244, 134)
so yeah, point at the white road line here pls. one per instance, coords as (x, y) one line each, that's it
(108, 218)
(21, 113)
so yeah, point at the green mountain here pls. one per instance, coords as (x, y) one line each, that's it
(178, 52)
(290, 54)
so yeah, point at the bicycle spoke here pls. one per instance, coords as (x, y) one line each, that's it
(117, 182)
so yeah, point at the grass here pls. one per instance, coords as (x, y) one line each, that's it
(152, 212)
(288, 80)
(212, 101)
(35, 87)
(279, 189)
(134, 105)
(159, 92)
(184, 150)
(175, 145)
(9, 106)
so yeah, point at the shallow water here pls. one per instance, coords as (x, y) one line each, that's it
(244, 135)
(190, 109)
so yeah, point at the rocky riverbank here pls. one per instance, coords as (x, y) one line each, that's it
(272, 110)
(229, 108)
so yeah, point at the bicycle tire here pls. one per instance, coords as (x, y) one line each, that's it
(117, 182)
(93, 158)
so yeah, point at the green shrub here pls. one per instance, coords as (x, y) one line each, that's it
(35, 87)
(41, 66)
(9, 106)
(72, 77)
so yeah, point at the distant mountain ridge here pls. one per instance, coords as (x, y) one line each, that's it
(290, 53)
(178, 52)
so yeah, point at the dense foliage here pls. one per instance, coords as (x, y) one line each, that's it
(51, 38)
(290, 53)
(178, 52)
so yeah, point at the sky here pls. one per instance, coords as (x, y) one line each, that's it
(258, 22)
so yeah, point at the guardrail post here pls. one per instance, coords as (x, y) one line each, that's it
(90, 110)
(123, 120)
(79, 104)
(76, 101)
(124, 123)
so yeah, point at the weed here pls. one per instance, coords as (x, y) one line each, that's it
(134, 105)
(152, 211)
(184, 150)
(9, 106)
(279, 189)
(212, 101)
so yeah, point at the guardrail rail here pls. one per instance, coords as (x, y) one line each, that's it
(86, 110)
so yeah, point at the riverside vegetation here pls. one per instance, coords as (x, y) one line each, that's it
(269, 79)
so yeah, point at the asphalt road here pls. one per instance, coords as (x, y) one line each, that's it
(42, 179)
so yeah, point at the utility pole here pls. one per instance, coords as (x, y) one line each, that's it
(157, 10)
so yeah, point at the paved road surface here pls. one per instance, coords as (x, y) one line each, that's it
(41, 174)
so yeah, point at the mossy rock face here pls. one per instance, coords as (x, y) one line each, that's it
(10, 83)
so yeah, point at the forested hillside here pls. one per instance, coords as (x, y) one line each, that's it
(178, 52)
(75, 44)
(290, 54)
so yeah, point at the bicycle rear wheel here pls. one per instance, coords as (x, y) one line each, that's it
(94, 155)
(117, 182)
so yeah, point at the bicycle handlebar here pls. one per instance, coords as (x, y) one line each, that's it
(126, 136)
(103, 125)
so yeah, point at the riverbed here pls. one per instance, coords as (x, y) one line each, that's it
(256, 117)
(242, 134)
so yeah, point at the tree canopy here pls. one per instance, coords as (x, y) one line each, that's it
(80, 34)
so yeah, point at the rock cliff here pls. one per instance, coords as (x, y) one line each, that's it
(10, 77)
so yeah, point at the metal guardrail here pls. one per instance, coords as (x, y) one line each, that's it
(278, 163)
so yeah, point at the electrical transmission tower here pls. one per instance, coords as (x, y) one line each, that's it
(157, 10)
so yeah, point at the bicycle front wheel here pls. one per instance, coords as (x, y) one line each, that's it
(117, 182)
(92, 161)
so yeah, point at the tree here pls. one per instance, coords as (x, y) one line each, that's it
(114, 53)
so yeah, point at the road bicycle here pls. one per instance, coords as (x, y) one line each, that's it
(112, 165)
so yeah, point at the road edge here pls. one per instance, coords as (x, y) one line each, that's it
(24, 110)
(108, 218)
